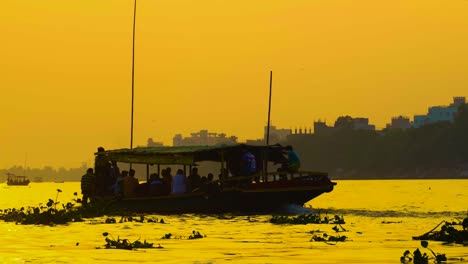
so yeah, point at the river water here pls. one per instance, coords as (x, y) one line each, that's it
(381, 217)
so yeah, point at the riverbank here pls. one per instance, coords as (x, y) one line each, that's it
(399, 174)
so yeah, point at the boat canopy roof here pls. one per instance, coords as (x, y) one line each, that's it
(188, 155)
(13, 176)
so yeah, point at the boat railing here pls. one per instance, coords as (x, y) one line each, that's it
(291, 175)
(274, 177)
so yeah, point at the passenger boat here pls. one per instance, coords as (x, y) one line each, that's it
(14, 180)
(261, 192)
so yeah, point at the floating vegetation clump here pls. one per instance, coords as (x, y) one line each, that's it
(138, 219)
(327, 238)
(167, 236)
(111, 243)
(306, 219)
(48, 214)
(194, 235)
(43, 215)
(447, 233)
(422, 258)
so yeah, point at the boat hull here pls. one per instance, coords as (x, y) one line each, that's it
(18, 184)
(235, 200)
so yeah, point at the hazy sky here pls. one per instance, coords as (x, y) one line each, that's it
(65, 68)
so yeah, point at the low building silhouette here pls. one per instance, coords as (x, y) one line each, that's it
(203, 137)
(399, 122)
(440, 113)
(152, 143)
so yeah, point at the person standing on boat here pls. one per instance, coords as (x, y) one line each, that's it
(179, 184)
(248, 163)
(102, 169)
(114, 174)
(88, 186)
(294, 163)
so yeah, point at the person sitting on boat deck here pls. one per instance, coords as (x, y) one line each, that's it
(117, 187)
(130, 184)
(167, 181)
(223, 177)
(248, 163)
(294, 163)
(88, 186)
(193, 180)
(179, 183)
(208, 185)
(203, 180)
(156, 185)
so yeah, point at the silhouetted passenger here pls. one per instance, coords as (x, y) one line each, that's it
(112, 179)
(117, 187)
(210, 177)
(223, 174)
(209, 186)
(179, 183)
(167, 181)
(203, 180)
(294, 163)
(88, 186)
(130, 184)
(248, 163)
(194, 180)
(156, 185)
(102, 169)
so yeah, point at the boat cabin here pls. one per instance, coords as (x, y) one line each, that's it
(17, 180)
(227, 156)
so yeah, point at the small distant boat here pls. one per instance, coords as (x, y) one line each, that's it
(37, 179)
(14, 180)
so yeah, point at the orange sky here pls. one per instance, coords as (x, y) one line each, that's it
(65, 68)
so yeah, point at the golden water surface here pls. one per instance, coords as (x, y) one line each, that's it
(412, 206)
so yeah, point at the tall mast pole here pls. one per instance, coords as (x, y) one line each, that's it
(133, 74)
(269, 110)
(265, 154)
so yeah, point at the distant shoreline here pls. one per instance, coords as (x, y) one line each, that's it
(366, 179)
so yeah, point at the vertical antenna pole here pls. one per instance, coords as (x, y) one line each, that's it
(133, 77)
(269, 110)
(265, 155)
(133, 74)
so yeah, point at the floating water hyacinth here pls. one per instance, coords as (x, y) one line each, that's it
(327, 238)
(111, 243)
(447, 233)
(306, 219)
(422, 258)
(43, 215)
(50, 215)
(194, 235)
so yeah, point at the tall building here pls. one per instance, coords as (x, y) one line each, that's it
(358, 123)
(152, 143)
(362, 123)
(439, 113)
(277, 135)
(320, 128)
(399, 122)
(203, 138)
